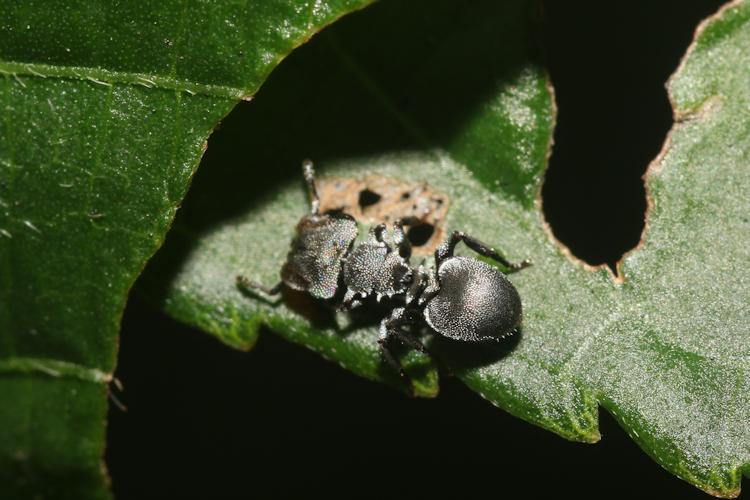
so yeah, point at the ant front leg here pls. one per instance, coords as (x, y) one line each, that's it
(445, 251)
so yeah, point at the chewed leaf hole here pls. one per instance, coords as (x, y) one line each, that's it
(420, 234)
(367, 198)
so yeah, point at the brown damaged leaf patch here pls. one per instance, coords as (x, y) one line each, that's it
(375, 198)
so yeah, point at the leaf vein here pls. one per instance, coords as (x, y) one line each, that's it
(53, 367)
(108, 77)
(572, 361)
(8, 261)
(178, 41)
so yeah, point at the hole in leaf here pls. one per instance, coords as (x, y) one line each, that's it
(420, 234)
(367, 198)
(613, 116)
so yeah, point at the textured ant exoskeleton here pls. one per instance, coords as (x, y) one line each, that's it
(461, 298)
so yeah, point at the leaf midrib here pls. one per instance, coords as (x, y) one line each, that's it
(108, 77)
(53, 367)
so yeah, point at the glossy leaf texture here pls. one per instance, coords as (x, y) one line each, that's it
(459, 99)
(106, 114)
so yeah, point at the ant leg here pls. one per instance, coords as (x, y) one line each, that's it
(400, 240)
(248, 284)
(486, 250)
(394, 326)
(396, 364)
(387, 330)
(446, 250)
(350, 301)
(418, 286)
(377, 233)
(309, 172)
(409, 340)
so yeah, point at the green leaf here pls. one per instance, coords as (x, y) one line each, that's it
(458, 99)
(106, 116)
(243, 212)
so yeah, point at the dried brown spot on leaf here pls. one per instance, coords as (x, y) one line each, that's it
(375, 199)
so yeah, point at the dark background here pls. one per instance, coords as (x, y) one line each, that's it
(206, 421)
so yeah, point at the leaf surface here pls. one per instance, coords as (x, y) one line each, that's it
(106, 116)
(459, 100)
(350, 111)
